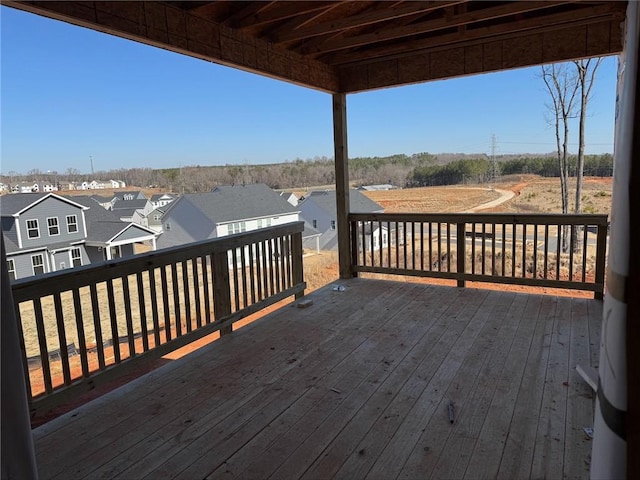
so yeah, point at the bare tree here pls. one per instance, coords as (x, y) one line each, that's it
(561, 83)
(586, 74)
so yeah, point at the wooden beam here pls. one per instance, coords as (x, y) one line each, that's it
(425, 27)
(545, 23)
(251, 8)
(365, 18)
(473, 57)
(342, 182)
(281, 11)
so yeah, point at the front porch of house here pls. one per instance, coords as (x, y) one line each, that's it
(356, 385)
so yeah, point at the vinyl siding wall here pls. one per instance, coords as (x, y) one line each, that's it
(51, 207)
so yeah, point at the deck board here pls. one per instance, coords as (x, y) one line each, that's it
(355, 386)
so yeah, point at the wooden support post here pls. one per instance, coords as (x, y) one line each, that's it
(461, 254)
(601, 248)
(221, 289)
(296, 261)
(342, 182)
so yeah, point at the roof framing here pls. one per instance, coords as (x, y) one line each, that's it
(354, 46)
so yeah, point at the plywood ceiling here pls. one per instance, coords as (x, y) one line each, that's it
(359, 45)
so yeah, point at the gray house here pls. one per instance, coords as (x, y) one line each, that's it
(45, 232)
(319, 209)
(226, 210)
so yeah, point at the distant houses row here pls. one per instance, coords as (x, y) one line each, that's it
(45, 187)
(46, 232)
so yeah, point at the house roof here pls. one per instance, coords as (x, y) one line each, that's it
(343, 46)
(18, 203)
(120, 195)
(102, 225)
(231, 203)
(129, 204)
(158, 196)
(358, 203)
(101, 199)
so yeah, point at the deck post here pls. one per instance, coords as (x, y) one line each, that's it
(461, 254)
(601, 248)
(342, 182)
(221, 289)
(296, 259)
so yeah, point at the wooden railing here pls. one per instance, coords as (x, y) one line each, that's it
(564, 251)
(85, 326)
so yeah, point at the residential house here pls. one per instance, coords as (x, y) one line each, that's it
(319, 209)
(162, 199)
(130, 195)
(3, 187)
(116, 184)
(108, 237)
(96, 185)
(154, 219)
(223, 211)
(290, 197)
(376, 188)
(47, 187)
(105, 202)
(83, 186)
(132, 207)
(45, 232)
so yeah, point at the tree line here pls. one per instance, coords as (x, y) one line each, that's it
(420, 169)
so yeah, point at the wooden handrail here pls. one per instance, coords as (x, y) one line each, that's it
(126, 312)
(497, 247)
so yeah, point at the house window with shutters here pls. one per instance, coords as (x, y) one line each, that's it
(37, 262)
(52, 225)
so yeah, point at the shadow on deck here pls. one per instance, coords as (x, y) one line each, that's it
(356, 385)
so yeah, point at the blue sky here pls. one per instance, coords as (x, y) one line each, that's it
(68, 94)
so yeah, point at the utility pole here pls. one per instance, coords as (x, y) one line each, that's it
(494, 161)
(91, 159)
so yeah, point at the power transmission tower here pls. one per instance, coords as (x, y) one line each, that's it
(494, 160)
(91, 158)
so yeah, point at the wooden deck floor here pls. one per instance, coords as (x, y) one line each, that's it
(357, 385)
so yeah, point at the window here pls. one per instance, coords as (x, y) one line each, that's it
(72, 223)
(167, 226)
(237, 227)
(264, 223)
(315, 223)
(52, 225)
(33, 230)
(76, 257)
(157, 217)
(37, 262)
(11, 267)
(333, 224)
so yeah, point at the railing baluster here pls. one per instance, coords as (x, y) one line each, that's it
(473, 248)
(535, 250)
(265, 272)
(115, 338)
(272, 282)
(259, 257)
(524, 250)
(143, 312)
(252, 259)
(82, 343)
(154, 301)
(413, 245)
(430, 246)
(439, 246)
(187, 297)
(558, 243)
(380, 241)
(128, 317)
(601, 248)
(513, 249)
(165, 302)
(176, 299)
(484, 247)
(404, 243)
(397, 245)
(422, 246)
(196, 289)
(234, 271)
(62, 339)
(504, 248)
(243, 266)
(573, 235)
(585, 240)
(461, 255)
(493, 249)
(97, 325)
(448, 247)
(546, 250)
(42, 343)
(389, 244)
(205, 288)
